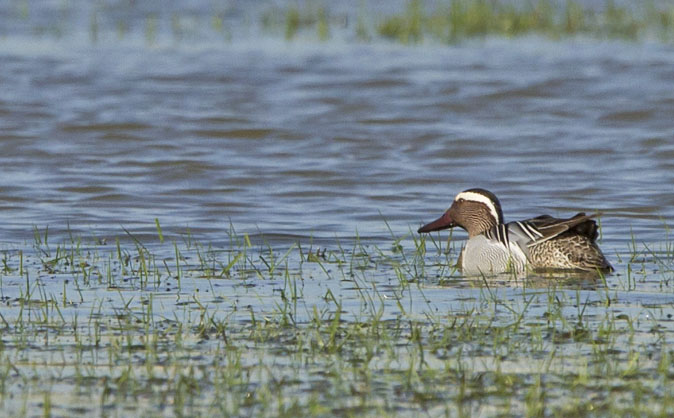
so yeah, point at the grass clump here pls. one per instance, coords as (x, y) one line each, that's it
(406, 27)
(462, 19)
(298, 18)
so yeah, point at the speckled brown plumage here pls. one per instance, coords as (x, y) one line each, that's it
(568, 251)
(569, 244)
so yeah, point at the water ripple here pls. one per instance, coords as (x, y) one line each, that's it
(318, 143)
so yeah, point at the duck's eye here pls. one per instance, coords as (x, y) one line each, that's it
(461, 200)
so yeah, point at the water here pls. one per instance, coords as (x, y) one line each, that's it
(315, 143)
(315, 140)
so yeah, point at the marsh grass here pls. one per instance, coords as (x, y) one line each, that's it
(455, 20)
(298, 17)
(411, 22)
(165, 325)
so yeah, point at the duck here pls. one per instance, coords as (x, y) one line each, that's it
(540, 243)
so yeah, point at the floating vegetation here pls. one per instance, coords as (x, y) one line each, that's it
(165, 325)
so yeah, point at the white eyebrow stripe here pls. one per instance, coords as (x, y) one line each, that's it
(477, 197)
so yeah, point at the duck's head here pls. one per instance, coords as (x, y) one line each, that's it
(475, 210)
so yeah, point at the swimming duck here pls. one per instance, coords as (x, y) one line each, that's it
(543, 242)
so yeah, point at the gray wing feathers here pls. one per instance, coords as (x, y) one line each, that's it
(534, 231)
(550, 227)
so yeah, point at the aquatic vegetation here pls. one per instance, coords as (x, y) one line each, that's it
(461, 19)
(407, 27)
(453, 20)
(168, 325)
(409, 22)
(295, 18)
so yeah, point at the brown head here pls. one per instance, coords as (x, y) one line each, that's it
(475, 210)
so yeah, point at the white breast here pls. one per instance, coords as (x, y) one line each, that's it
(485, 256)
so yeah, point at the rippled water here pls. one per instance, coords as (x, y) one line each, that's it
(310, 144)
(306, 139)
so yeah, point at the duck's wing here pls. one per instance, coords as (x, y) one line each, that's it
(530, 232)
(545, 227)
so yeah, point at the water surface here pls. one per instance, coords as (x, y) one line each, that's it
(288, 178)
(306, 139)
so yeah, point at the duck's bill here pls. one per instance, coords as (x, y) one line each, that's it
(443, 222)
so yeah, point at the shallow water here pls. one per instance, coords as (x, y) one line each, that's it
(299, 146)
(86, 331)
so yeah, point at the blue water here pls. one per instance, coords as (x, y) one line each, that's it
(311, 139)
